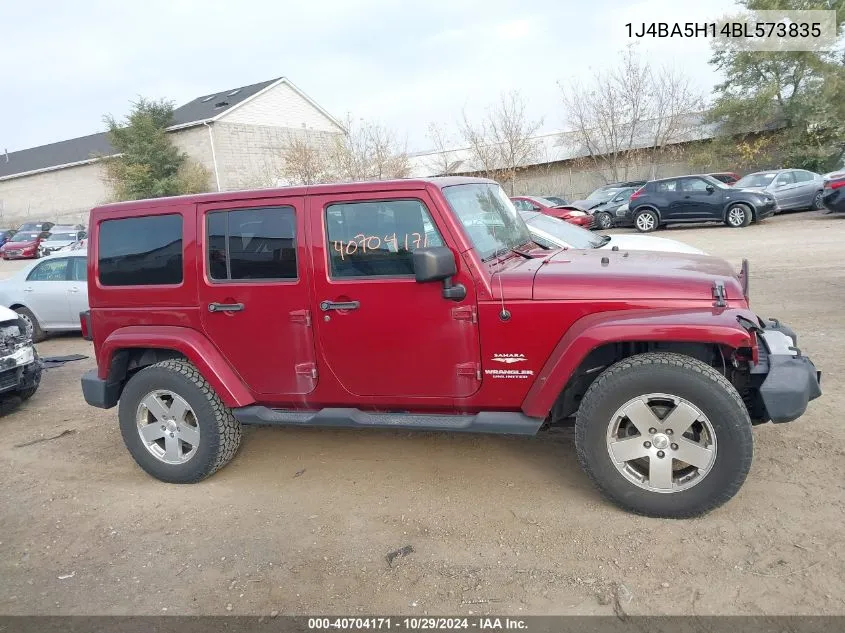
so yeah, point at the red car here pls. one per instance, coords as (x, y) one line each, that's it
(23, 245)
(727, 177)
(425, 304)
(570, 213)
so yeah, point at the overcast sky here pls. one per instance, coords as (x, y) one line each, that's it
(64, 63)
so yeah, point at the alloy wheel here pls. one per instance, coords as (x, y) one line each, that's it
(736, 216)
(645, 221)
(661, 443)
(168, 426)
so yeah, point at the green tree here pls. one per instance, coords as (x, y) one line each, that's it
(795, 98)
(148, 164)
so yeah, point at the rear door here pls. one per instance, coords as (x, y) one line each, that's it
(254, 292)
(45, 292)
(670, 200)
(380, 332)
(806, 188)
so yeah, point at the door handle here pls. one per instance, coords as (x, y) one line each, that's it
(73, 289)
(29, 289)
(225, 307)
(325, 306)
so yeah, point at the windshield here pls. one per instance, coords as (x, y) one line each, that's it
(64, 237)
(25, 236)
(603, 194)
(488, 217)
(546, 202)
(755, 180)
(571, 235)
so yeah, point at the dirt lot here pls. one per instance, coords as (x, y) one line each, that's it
(301, 520)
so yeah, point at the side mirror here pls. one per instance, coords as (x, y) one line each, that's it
(82, 235)
(710, 188)
(437, 263)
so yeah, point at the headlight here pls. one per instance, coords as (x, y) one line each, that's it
(576, 214)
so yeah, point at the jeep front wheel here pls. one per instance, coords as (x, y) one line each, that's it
(174, 424)
(664, 435)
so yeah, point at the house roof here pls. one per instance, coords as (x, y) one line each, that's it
(85, 149)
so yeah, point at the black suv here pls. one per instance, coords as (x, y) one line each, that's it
(695, 199)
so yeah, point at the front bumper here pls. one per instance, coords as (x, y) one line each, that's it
(20, 371)
(789, 379)
(767, 210)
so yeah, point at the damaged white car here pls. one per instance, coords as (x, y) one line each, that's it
(20, 367)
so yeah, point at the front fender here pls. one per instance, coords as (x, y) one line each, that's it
(695, 325)
(190, 343)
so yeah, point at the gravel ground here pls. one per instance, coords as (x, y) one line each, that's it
(301, 520)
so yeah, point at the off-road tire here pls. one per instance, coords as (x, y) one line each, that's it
(643, 226)
(735, 208)
(687, 378)
(220, 432)
(38, 334)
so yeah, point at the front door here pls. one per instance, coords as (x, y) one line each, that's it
(701, 199)
(254, 293)
(380, 332)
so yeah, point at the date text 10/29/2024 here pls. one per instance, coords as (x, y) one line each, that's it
(486, 623)
(745, 30)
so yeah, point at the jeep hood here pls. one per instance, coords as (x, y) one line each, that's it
(592, 275)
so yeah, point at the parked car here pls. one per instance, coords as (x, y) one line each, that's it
(60, 237)
(695, 199)
(20, 367)
(551, 232)
(421, 304)
(606, 192)
(792, 188)
(834, 192)
(5, 235)
(570, 213)
(36, 226)
(727, 177)
(76, 246)
(605, 211)
(48, 294)
(23, 245)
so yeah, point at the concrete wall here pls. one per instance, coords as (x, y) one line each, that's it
(283, 107)
(252, 156)
(65, 194)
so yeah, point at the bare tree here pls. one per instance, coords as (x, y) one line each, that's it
(368, 151)
(503, 142)
(629, 115)
(444, 160)
(306, 160)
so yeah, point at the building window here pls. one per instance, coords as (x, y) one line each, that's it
(377, 239)
(143, 251)
(251, 244)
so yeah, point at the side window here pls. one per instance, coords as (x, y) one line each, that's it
(786, 178)
(694, 185)
(375, 239)
(255, 243)
(78, 269)
(51, 270)
(803, 176)
(141, 251)
(666, 186)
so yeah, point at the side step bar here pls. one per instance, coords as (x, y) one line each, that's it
(485, 422)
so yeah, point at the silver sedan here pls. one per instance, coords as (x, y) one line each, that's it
(792, 188)
(49, 293)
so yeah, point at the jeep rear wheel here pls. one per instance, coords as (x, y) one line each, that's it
(664, 435)
(646, 221)
(174, 424)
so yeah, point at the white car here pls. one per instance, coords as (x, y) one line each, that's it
(553, 233)
(59, 238)
(48, 294)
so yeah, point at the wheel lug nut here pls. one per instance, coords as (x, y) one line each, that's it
(163, 427)
(652, 431)
(171, 435)
(674, 447)
(647, 444)
(661, 454)
(668, 431)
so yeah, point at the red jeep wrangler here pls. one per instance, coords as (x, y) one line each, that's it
(424, 304)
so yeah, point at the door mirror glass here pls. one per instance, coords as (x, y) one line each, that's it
(434, 264)
(82, 235)
(710, 188)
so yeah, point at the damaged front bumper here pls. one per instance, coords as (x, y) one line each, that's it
(20, 370)
(788, 379)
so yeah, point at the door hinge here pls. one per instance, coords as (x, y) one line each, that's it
(470, 369)
(465, 313)
(301, 316)
(307, 369)
(719, 295)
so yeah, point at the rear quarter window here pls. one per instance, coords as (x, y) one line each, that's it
(140, 251)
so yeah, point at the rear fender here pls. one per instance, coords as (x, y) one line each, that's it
(191, 344)
(699, 325)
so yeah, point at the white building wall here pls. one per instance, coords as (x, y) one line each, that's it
(281, 106)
